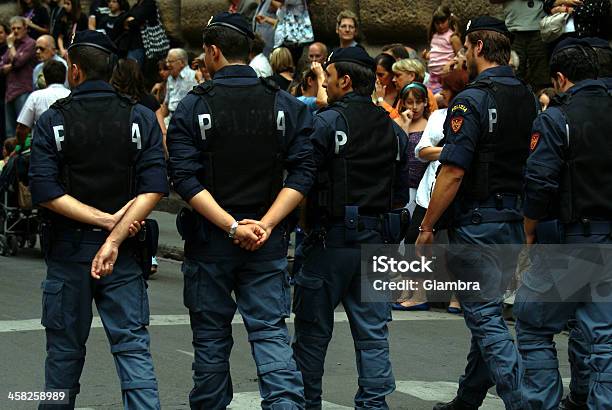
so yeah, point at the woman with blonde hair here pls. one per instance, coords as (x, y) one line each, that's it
(407, 71)
(282, 66)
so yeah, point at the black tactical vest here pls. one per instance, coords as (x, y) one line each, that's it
(585, 189)
(98, 150)
(243, 168)
(362, 169)
(501, 153)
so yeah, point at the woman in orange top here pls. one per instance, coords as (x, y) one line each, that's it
(406, 71)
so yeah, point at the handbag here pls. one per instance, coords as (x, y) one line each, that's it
(154, 39)
(24, 196)
(294, 28)
(553, 26)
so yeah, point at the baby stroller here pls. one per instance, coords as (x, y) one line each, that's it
(19, 222)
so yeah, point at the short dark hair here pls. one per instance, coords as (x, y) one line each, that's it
(95, 63)
(6, 27)
(604, 57)
(233, 45)
(257, 45)
(127, 79)
(54, 72)
(363, 78)
(577, 63)
(496, 47)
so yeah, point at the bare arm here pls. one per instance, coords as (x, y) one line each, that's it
(162, 125)
(74, 209)
(430, 153)
(321, 91)
(447, 185)
(164, 110)
(137, 210)
(456, 43)
(91, 23)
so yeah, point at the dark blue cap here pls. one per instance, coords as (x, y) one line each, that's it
(95, 39)
(570, 42)
(234, 21)
(487, 23)
(597, 42)
(355, 55)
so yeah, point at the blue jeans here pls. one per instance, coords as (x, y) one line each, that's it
(330, 275)
(11, 112)
(214, 270)
(590, 343)
(122, 302)
(493, 359)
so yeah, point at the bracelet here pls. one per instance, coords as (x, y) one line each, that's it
(380, 100)
(425, 229)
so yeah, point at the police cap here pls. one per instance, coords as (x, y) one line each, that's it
(95, 39)
(597, 42)
(570, 42)
(355, 55)
(234, 21)
(487, 23)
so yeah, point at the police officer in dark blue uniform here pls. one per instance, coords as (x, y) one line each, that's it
(230, 141)
(578, 346)
(97, 164)
(487, 141)
(568, 170)
(359, 153)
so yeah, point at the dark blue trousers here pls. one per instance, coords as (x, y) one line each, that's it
(214, 270)
(121, 300)
(331, 275)
(493, 359)
(590, 344)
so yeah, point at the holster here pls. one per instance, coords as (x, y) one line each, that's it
(395, 225)
(148, 240)
(550, 232)
(188, 224)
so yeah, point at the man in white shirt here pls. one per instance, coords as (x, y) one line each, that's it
(180, 81)
(259, 62)
(45, 50)
(39, 101)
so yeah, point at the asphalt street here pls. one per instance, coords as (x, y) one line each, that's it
(428, 350)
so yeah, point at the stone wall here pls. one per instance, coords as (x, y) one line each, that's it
(381, 21)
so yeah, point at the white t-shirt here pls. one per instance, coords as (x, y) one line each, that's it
(432, 135)
(261, 65)
(39, 101)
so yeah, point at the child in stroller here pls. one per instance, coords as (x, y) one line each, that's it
(19, 223)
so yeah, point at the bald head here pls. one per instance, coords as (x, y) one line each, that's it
(317, 52)
(45, 48)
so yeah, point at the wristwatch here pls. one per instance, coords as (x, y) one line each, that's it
(232, 231)
(426, 229)
(379, 100)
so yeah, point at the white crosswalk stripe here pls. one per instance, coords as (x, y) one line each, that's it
(441, 392)
(8, 326)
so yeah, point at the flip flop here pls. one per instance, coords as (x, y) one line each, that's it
(420, 307)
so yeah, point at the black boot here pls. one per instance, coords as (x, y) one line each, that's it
(570, 402)
(456, 404)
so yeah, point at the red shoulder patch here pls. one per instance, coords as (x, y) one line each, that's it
(535, 137)
(456, 124)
